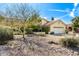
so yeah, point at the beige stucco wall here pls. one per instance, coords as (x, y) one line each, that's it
(57, 24)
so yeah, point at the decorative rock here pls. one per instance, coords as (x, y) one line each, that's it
(34, 46)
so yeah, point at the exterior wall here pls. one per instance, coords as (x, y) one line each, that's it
(57, 24)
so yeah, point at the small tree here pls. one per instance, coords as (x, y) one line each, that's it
(45, 29)
(75, 23)
(22, 12)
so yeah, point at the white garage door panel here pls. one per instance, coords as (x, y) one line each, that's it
(58, 30)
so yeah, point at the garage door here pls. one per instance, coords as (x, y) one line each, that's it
(59, 30)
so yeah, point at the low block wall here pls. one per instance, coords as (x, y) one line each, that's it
(39, 32)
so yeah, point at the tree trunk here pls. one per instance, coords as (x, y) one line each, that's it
(24, 30)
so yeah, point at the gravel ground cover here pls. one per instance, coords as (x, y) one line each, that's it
(35, 46)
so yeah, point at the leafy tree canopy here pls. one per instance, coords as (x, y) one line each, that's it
(75, 23)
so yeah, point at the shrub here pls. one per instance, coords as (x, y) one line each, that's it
(17, 32)
(69, 42)
(45, 29)
(5, 35)
(36, 28)
(66, 31)
(28, 31)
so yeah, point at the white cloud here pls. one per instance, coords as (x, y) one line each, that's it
(73, 10)
(72, 14)
(75, 4)
(56, 18)
(43, 17)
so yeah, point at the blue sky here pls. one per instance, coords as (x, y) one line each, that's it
(47, 10)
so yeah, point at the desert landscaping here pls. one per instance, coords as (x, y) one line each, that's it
(23, 32)
(36, 46)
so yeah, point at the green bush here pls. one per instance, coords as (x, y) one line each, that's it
(69, 42)
(36, 28)
(28, 31)
(5, 35)
(45, 29)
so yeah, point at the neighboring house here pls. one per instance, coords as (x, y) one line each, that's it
(56, 26)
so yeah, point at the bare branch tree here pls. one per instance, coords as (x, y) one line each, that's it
(21, 11)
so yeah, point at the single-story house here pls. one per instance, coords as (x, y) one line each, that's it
(57, 26)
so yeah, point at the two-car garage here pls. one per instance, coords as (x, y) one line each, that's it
(58, 30)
